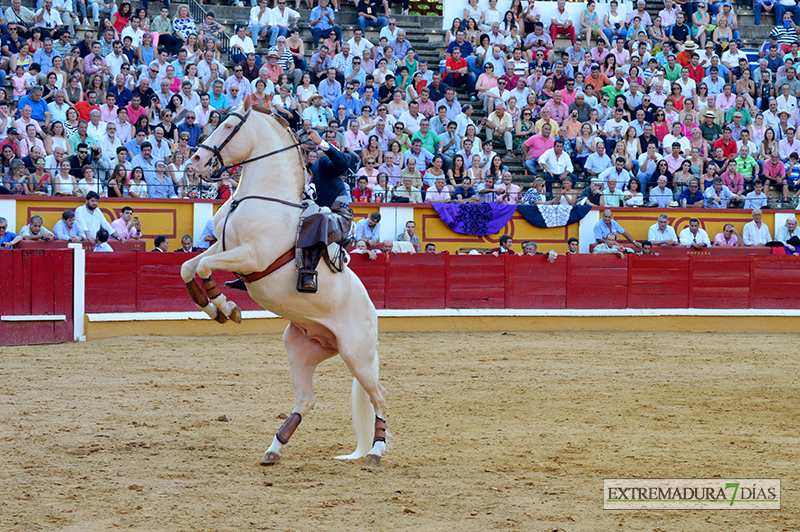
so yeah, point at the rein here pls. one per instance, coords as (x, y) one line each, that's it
(216, 150)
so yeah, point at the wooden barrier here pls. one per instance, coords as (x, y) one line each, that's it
(150, 282)
(37, 302)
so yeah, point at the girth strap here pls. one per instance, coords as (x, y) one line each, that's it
(279, 263)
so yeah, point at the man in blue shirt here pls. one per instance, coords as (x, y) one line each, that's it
(7, 238)
(351, 103)
(44, 56)
(322, 19)
(190, 127)
(39, 110)
(134, 146)
(122, 92)
(609, 225)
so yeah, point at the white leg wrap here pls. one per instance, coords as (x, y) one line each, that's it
(379, 448)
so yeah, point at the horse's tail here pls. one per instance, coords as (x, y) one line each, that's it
(363, 417)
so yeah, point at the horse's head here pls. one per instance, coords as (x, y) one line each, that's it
(221, 145)
(248, 132)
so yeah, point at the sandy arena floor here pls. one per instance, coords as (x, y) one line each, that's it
(492, 432)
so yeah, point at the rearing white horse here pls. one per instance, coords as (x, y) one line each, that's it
(257, 230)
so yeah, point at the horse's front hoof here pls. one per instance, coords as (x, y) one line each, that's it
(236, 314)
(221, 317)
(270, 458)
(373, 460)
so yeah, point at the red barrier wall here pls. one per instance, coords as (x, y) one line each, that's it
(36, 282)
(150, 282)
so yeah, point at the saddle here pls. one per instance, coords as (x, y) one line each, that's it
(327, 228)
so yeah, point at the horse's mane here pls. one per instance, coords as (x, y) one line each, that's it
(282, 125)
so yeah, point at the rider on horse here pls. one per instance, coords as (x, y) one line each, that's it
(323, 228)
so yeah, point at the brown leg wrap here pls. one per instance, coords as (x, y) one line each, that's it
(211, 288)
(380, 430)
(196, 293)
(288, 428)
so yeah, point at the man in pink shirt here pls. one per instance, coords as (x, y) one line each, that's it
(558, 109)
(535, 146)
(354, 140)
(727, 99)
(126, 226)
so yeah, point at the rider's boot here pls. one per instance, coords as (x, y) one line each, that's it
(307, 278)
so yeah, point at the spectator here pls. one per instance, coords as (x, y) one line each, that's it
(756, 233)
(661, 233)
(36, 231)
(718, 195)
(187, 245)
(729, 237)
(609, 245)
(789, 234)
(505, 246)
(66, 228)
(608, 225)
(7, 238)
(694, 237)
(756, 199)
(90, 220)
(102, 241)
(593, 194)
(161, 244)
(128, 225)
(407, 190)
(369, 230)
(408, 235)
(536, 146)
(691, 196)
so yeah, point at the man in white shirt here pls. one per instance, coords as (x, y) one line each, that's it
(390, 30)
(614, 130)
(260, 20)
(116, 59)
(283, 18)
(161, 150)
(661, 233)
(660, 195)
(730, 58)
(556, 164)
(109, 142)
(58, 108)
(694, 237)
(358, 44)
(756, 233)
(411, 118)
(617, 172)
(90, 219)
(134, 31)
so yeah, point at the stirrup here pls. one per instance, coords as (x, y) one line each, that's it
(236, 284)
(307, 275)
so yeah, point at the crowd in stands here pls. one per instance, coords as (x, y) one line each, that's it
(638, 111)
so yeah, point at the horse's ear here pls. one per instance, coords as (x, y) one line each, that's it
(248, 102)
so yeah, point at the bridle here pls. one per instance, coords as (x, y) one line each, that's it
(216, 150)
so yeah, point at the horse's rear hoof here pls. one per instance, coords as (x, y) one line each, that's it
(373, 460)
(236, 314)
(270, 458)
